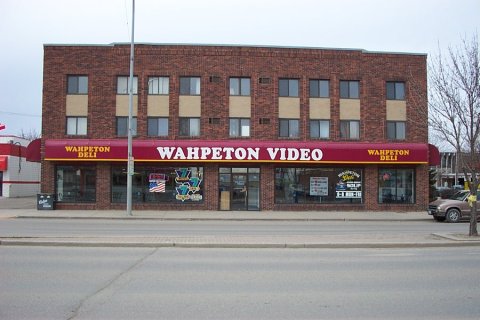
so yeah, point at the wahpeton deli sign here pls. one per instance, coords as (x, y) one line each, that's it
(236, 151)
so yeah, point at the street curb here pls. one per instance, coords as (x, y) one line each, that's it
(223, 219)
(233, 245)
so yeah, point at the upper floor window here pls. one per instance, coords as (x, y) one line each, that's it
(239, 127)
(350, 129)
(395, 90)
(395, 130)
(123, 85)
(157, 127)
(77, 85)
(319, 129)
(77, 126)
(158, 85)
(288, 87)
(122, 126)
(350, 89)
(239, 86)
(289, 128)
(319, 88)
(189, 86)
(189, 127)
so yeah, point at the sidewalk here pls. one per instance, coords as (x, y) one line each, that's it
(26, 208)
(23, 208)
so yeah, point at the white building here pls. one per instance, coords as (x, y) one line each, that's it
(449, 172)
(18, 177)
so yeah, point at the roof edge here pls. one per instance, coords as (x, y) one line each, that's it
(113, 44)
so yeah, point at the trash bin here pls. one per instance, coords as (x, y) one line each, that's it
(45, 201)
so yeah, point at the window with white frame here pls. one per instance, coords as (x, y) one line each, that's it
(350, 129)
(157, 127)
(288, 87)
(189, 86)
(123, 85)
(189, 127)
(289, 128)
(122, 126)
(395, 90)
(158, 85)
(77, 126)
(350, 89)
(239, 127)
(319, 88)
(396, 130)
(77, 85)
(239, 86)
(319, 129)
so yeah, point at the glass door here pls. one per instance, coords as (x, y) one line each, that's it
(239, 189)
(253, 199)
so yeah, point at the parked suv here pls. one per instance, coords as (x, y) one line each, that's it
(452, 209)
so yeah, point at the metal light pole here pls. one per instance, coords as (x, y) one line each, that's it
(130, 159)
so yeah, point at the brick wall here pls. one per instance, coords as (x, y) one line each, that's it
(103, 64)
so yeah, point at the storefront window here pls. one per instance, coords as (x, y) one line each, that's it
(318, 185)
(159, 184)
(75, 183)
(396, 186)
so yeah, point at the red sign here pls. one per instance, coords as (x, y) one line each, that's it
(237, 151)
(2, 126)
(3, 163)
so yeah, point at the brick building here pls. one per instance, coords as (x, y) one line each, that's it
(236, 128)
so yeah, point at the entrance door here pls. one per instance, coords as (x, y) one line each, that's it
(239, 188)
(239, 191)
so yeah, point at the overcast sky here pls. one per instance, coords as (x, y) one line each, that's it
(376, 25)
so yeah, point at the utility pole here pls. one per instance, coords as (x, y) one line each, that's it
(130, 160)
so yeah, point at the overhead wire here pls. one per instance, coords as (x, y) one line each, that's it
(20, 114)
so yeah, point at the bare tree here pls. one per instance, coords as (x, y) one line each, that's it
(31, 135)
(454, 110)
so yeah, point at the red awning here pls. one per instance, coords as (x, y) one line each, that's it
(3, 163)
(33, 151)
(433, 155)
(238, 151)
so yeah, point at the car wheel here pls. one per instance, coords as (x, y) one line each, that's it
(453, 215)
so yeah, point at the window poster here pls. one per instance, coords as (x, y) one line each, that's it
(349, 185)
(188, 185)
(318, 186)
(157, 182)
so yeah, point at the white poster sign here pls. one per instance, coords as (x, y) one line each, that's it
(318, 186)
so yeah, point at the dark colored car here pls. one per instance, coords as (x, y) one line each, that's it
(453, 209)
(445, 192)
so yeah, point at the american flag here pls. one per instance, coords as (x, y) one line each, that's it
(157, 186)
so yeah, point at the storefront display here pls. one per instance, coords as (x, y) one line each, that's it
(318, 185)
(396, 185)
(159, 184)
(303, 174)
(75, 183)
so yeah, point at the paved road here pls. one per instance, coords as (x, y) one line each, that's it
(149, 228)
(172, 283)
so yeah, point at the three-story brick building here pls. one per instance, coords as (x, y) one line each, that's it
(235, 128)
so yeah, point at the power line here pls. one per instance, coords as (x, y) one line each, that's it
(20, 114)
